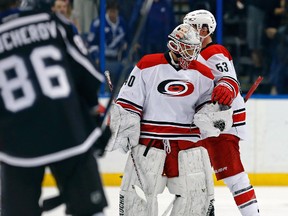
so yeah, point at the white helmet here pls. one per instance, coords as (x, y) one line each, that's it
(185, 42)
(199, 19)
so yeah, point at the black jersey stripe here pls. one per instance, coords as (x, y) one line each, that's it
(129, 102)
(239, 110)
(239, 124)
(167, 123)
(243, 190)
(248, 204)
(168, 135)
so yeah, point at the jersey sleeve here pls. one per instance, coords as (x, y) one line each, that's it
(132, 94)
(219, 60)
(86, 77)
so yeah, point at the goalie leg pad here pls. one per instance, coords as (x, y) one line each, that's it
(194, 186)
(150, 169)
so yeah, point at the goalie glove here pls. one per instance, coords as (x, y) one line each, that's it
(125, 128)
(212, 120)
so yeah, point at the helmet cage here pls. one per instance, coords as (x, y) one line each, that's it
(184, 41)
(186, 51)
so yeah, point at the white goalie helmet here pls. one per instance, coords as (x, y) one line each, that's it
(185, 42)
(199, 19)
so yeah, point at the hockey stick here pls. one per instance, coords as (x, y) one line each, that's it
(253, 88)
(139, 191)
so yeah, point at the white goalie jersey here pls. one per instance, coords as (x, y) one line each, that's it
(166, 98)
(219, 60)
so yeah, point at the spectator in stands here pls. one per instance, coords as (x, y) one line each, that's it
(276, 32)
(85, 10)
(62, 7)
(255, 32)
(116, 37)
(154, 39)
(279, 65)
(202, 4)
(131, 12)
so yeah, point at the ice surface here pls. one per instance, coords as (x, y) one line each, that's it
(273, 201)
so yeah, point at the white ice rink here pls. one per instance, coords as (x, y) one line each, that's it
(273, 201)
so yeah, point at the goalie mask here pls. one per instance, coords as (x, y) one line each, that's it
(185, 42)
(200, 19)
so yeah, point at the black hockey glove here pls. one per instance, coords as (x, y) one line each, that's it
(101, 143)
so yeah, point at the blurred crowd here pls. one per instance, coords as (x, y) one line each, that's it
(263, 29)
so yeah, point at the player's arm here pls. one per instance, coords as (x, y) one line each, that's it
(226, 89)
(86, 77)
(226, 85)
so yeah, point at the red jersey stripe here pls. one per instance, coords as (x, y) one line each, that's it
(239, 117)
(130, 107)
(168, 129)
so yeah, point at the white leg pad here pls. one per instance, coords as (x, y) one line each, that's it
(150, 169)
(194, 185)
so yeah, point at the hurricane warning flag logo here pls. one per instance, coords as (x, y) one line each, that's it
(176, 88)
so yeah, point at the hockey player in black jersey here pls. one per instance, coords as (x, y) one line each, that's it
(48, 88)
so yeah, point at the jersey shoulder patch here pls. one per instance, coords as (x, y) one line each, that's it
(215, 49)
(203, 69)
(151, 60)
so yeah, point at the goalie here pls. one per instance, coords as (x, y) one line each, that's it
(153, 118)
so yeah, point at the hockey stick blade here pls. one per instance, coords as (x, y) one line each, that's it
(169, 207)
(253, 88)
(139, 192)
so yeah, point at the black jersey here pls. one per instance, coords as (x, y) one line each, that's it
(47, 85)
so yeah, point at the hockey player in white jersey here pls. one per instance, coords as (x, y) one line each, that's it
(158, 103)
(224, 149)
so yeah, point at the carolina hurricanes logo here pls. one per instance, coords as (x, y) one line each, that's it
(176, 88)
